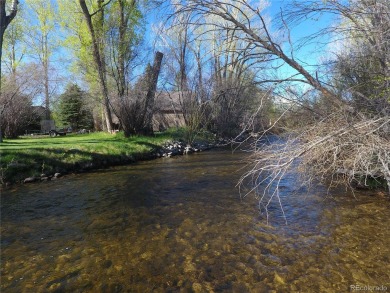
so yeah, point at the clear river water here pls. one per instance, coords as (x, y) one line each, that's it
(179, 225)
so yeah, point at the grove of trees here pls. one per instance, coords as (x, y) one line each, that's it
(224, 58)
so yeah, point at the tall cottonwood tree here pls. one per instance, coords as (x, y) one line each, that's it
(134, 107)
(108, 36)
(95, 23)
(123, 38)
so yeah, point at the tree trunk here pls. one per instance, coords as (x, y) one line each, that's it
(182, 62)
(200, 76)
(99, 63)
(123, 56)
(152, 86)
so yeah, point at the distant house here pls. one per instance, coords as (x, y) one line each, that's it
(168, 110)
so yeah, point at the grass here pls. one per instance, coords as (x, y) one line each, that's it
(33, 156)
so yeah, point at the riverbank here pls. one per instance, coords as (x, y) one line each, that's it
(31, 159)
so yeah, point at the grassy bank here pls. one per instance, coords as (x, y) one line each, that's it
(33, 156)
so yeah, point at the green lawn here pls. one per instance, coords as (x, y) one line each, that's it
(32, 156)
(89, 142)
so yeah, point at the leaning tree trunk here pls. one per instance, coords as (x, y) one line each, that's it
(152, 86)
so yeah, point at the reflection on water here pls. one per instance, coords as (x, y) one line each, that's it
(178, 225)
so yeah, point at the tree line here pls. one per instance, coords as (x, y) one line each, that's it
(105, 40)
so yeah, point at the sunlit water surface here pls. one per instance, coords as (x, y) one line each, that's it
(179, 225)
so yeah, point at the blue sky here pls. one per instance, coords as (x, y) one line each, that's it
(310, 54)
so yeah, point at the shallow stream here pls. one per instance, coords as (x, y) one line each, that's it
(179, 225)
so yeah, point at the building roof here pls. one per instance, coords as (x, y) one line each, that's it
(170, 101)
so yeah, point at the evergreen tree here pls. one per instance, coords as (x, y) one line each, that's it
(72, 110)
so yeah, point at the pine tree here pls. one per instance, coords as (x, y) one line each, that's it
(72, 110)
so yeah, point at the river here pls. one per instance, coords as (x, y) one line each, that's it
(179, 225)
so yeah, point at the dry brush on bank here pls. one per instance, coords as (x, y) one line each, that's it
(343, 148)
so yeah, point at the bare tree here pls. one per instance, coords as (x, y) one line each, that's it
(16, 110)
(251, 26)
(135, 110)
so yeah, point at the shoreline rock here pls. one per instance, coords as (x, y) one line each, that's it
(30, 180)
(177, 148)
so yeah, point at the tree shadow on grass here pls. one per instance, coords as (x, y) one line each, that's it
(147, 144)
